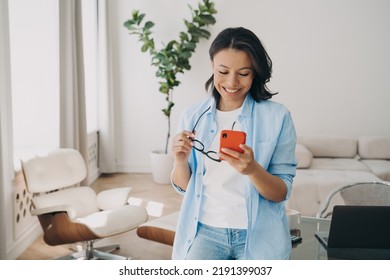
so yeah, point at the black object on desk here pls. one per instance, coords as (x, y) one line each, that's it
(296, 237)
(358, 232)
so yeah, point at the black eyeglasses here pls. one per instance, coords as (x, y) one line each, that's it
(199, 146)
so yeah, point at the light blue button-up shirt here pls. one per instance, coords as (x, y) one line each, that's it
(271, 134)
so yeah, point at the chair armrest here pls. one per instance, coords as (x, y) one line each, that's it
(54, 209)
(113, 198)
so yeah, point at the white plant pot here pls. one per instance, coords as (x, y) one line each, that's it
(161, 165)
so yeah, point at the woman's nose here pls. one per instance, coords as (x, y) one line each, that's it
(232, 80)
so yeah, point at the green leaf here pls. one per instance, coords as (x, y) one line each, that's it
(129, 23)
(203, 8)
(148, 25)
(189, 46)
(171, 81)
(184, 36)
(168, 109)
(164, 88)
(185, 55)
(195, 31)
(135, 13)
(199, 32)
(211, 8)
(166, 112)
(188, 24)
(169, 67)
(144, 47)
(140, 18)
(207, 19)
(171, 44)
(170, 105)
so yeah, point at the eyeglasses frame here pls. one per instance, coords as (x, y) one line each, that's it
(206, 153)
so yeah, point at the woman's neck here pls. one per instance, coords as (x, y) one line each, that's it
(228, 106)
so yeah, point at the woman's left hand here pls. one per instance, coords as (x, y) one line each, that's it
(269, 186)
(243, 162)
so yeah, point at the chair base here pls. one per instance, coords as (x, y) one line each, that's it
(91, 253)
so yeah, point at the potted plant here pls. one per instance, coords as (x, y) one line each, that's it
(172, 58)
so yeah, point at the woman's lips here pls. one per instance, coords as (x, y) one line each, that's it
(231, 90)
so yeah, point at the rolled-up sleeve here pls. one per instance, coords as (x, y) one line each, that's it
(283, 163)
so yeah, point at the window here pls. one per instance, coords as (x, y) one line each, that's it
(34, 46)
(34, 51)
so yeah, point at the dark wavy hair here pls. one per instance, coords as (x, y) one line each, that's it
(245, 40)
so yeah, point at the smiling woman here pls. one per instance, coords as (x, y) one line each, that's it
(217, 219)
(233, 77)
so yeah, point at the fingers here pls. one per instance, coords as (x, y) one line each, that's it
(182, 143)
(239, 161)
(183, 138)
(235, 154)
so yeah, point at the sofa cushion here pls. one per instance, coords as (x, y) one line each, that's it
(374, 147)
(338, 164)
(379, 167)
(303, 155)
(311, 187)
(330, 146)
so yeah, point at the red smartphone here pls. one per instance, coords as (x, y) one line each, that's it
(231, 139)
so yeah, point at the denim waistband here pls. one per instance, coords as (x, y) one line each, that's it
(229, 236)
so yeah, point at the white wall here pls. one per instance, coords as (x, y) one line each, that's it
(331, 67)
(6, 174)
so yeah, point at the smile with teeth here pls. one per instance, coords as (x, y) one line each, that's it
(231, 90)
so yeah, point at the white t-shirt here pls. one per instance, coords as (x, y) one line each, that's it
(223, 199)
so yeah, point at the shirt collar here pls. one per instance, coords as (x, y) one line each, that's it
(246, 108)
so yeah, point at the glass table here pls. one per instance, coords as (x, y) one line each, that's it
(162, 230)
(310, 248)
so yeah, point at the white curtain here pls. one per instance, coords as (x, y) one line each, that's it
(106, 94)
(73, 127)
(72, 89)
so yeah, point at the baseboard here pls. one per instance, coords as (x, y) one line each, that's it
(24, 241)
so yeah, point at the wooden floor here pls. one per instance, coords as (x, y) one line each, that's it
(158, 199)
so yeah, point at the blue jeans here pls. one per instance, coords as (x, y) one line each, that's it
(213, 243)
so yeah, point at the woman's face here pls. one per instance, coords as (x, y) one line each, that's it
(233, 76)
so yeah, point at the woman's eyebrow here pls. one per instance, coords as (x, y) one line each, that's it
(243, 68)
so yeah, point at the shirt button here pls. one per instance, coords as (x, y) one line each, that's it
(212, 131)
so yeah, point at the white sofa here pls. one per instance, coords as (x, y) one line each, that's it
(327, 162)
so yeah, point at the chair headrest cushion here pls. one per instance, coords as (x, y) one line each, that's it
(60, 168)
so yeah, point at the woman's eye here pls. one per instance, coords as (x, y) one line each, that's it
(240, 74)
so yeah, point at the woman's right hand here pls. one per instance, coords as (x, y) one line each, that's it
(181, 148)
(182, 145)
